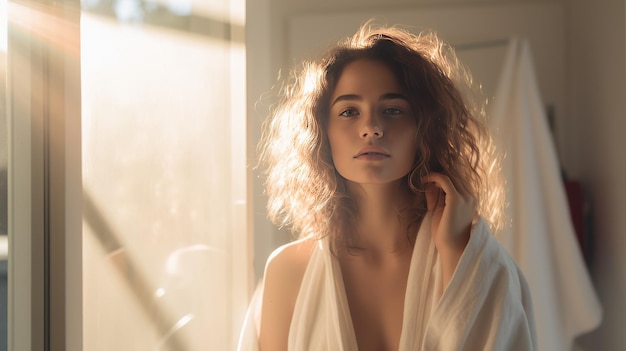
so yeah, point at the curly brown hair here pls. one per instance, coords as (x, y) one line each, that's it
(305, 191)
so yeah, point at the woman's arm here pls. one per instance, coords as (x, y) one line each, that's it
(486, 305)
(451, 222)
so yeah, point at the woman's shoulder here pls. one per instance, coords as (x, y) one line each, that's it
(290, 260)
(284, 272)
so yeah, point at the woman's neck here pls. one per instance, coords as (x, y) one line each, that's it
(379, 226)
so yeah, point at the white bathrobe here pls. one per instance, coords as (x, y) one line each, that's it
(486, 306)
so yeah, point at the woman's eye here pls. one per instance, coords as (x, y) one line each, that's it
(349, 112)
(392, 111)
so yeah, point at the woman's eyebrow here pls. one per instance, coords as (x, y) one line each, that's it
(347, 97)
(393, 96)
(355, 97)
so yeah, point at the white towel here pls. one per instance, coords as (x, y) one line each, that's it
(541, 238)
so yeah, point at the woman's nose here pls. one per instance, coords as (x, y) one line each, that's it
(371, 128)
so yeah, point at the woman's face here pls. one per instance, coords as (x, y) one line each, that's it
(371, 127)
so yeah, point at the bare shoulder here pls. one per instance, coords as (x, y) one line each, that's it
(283, 275)
(291, 256)
(285, 268)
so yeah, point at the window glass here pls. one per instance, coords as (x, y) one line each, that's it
(164, 179)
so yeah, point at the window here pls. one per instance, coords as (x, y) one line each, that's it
(164, 246)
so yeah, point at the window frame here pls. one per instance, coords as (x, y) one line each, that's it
(44, 176)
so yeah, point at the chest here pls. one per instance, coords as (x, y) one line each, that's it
(376, 296)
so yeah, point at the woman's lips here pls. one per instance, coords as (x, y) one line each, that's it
(371, 156)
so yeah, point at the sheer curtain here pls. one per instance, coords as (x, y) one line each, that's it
(165, 233)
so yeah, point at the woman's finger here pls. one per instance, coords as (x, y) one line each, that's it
(444, 183)
(435, 196)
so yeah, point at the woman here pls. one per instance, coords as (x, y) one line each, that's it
(379, 158)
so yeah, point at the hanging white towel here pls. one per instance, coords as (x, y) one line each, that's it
(541, 236)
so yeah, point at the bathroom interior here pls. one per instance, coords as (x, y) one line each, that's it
(132, 216)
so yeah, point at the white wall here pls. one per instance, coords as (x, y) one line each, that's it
(263, 63)
(597, 79)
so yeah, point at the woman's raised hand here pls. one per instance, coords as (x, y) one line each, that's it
(452, 212)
